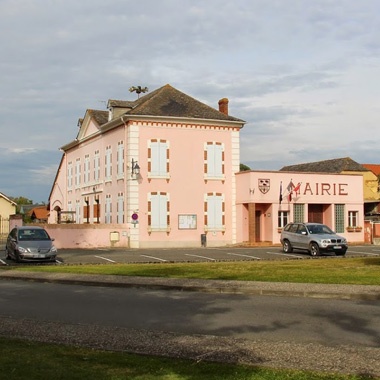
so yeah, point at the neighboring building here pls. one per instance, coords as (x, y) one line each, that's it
(373, 207)
(371, 194)
(375, 169)
(7, 207)
(163, 166)
(38, 214)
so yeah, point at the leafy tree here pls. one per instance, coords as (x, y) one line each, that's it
(20, 202)
(244, 168)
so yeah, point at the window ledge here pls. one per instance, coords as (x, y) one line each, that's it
(158, 176)
(214, 229)
(159, 229)
(214, 178)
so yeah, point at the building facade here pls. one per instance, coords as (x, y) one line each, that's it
(267, 201)
(163, 167)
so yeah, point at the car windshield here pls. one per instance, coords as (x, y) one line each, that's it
(319, 229)
(32, 234)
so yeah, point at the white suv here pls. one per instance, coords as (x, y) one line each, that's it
(315, 238)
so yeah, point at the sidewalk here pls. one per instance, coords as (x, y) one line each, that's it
(352, 292)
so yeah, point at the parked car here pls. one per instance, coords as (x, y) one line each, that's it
(30, 244)
(315, 238)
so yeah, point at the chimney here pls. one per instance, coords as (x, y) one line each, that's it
(223, 106)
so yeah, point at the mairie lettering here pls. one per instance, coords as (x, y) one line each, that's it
(325, 189)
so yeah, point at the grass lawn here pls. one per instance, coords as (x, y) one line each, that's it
(364, 271)
(36, 361)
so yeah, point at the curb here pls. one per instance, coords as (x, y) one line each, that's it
(321, 291)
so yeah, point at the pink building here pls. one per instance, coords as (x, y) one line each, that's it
(163, 171)
(159, 170)
(267, 201)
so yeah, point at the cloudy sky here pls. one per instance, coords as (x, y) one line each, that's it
(304, 75)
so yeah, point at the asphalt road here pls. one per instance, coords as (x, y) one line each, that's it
(208, 254)
(296, 320)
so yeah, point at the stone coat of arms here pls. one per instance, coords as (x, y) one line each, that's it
(264, 185)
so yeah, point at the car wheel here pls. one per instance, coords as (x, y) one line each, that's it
(314, 249)
(287, 247)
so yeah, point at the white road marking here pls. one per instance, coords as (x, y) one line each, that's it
(152, 257)
(285, 254)
(201, 257)
(3, 262)
(58, 262)
(237, 254)
(105, 258)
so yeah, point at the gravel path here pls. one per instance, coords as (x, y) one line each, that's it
(315, 357)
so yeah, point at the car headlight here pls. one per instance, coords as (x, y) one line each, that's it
(53, 249)
(22, 250)
(325, 242)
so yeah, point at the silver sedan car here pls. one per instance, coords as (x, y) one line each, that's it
(30, 244)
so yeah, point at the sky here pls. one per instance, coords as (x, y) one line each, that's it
(304, 75)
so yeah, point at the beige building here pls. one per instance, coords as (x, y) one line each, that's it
(7, 207)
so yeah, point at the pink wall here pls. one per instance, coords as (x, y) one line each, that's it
(187, 186)
(325, 189)
(88, 236)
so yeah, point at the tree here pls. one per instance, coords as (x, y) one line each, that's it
(244, 168)
(20, 202)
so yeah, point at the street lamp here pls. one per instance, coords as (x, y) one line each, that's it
(135, 168)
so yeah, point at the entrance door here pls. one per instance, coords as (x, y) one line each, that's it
(257, 225)
(315, 214)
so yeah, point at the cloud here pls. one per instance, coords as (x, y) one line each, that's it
(28, 172)
(302, 74)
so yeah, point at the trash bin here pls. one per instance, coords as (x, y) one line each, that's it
(203, 240)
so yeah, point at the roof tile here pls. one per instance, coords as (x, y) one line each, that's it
(337, 165)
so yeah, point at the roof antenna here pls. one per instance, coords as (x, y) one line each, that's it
(138, 90)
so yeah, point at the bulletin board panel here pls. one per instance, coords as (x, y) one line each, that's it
(187, 222)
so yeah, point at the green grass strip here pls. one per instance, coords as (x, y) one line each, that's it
(22, 360)
(363, 271)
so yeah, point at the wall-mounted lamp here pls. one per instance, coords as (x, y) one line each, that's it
(135, 168)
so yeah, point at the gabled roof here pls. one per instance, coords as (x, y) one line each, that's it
(7, 199)
(375, 168)
(99, 117)
(168, 101)
(337, 165)
(39, 212)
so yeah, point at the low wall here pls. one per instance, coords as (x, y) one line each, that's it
(88, 235)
